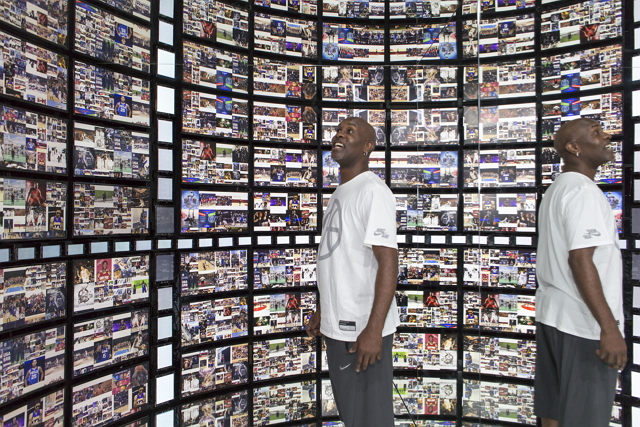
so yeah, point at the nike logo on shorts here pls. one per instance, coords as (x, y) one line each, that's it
(342, 368)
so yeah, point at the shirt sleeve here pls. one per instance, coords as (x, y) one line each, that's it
(380, 219)
(585, 219)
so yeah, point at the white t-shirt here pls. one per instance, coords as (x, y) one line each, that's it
(575, 214)
(361, 214)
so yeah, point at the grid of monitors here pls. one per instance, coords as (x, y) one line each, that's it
(285, 36)
(413, 83)
(109, 340)
(32, 294)
(117, 395)
(215, 68)
(112, 39)
(47, 410)
(427, 211)
(281, 268)
(32, 73)
(211, 162)
(223, 409)
(108, 152)
(110, 95)
(32, 362)
(219, 212)
(429, 126)
(215, 115)
(214, 369)
(422, 42)
(32, 141)
(283, 79)
(352, 42)
(213, 272)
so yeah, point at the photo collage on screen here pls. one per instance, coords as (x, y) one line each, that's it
(32, 141)
(507, 357)
(212, 272)
(354, 9)
(352, 42)
(424, 169)
(306, 7)
(210, 162)
(426, 211)
(504, 79)
(497, 37)
(231, 320)
(285, 36)
(284, 123)
(215, 115)
(423, 42)
(110, 209)
(413, 83)
(425, 351)
(282, 312)
(331, 169)
(283, 268)
(283, 403)
(400, 9)
(106, 341)
(499, 312)
(505, 268)
(500, 124)
(110, 282)
(220, 212)
(498, 401)
(214, 369)
(283, 80)
(500, 168)
(285, 167)
(500, 212)
(47, 20)
(425, 396)
(435, 126)
(284, 357)
(353, 83)
(47, 410)
(217, 21)
(222, 409)
(215, 68)
(427, 309)
(331, 118)
(285, 211)
(428, 267)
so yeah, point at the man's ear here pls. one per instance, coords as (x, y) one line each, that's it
(571, 147)
(369, 146)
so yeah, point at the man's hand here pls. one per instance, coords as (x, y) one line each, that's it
(369, 348)
(313, 327)
(613, 349)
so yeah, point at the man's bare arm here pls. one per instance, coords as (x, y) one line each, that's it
(613, 349)
(369, 342)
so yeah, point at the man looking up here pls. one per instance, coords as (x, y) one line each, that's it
(580, 346)
(357, 276)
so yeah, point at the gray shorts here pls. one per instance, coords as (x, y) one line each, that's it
(365, 398)
(573, 385)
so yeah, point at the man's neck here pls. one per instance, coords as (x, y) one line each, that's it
(582, 169)
(350, 172)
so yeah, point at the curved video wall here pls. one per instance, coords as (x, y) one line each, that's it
(164, 167)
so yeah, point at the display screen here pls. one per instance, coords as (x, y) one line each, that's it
(226, 409)
(219, 212)
(496, 37)
(504, 79)
(286, 36)
(280, 268)
(425, 396)
(117, 395)
(106, 94)
(498, 401)
(426, 211)
(32, 141)
(353, 83)
(284, 357)
(331, 118)
(432, 126)
(214, 320)
(48, 410)
(217, 21)
(352, 42)
(107, 152)
(209, 370)
(31, 73)
(500, 168)
(285, 167)
(47, 20)
(425, 351)
(110, 282)
(285, 212)
(500, 312)
(139, 8)
(512, 123)
(423, 42)
(400, 9)
(432, 309)
(283, 79)
(31, 362)
(294, 401)
(508, 268)
(110, 38)
(284, 123)
(410, 83)
(426, 169)
(32, 209)
(215, 115)
(500, 212)
(605, 108)
(32, 294)
(110, 340)
(428, 267)
(211, 272)
(582, 70)
(110, 209)
(282, 312)
(307, 7)
(210, 162)
(215, 68)
(364, 9)
(506, 357)
(581, 23)
(331, 169)
(470, 6)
